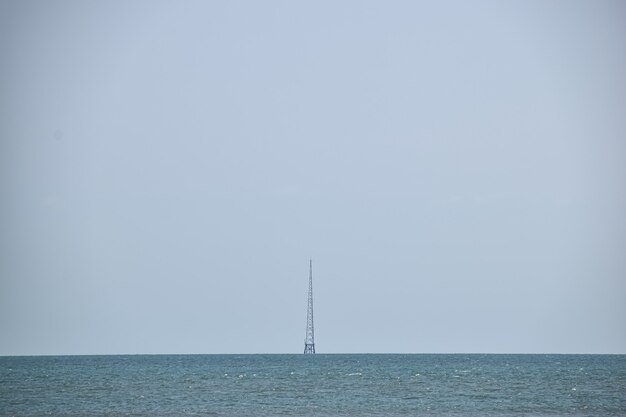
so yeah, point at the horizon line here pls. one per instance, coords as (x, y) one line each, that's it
(298, 354)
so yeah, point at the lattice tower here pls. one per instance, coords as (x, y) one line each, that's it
(309, 340)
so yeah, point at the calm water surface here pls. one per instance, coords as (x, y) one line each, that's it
(319, 385)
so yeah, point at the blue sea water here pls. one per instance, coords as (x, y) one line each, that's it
(314, 385)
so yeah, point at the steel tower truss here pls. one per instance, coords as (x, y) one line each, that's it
(309, 340)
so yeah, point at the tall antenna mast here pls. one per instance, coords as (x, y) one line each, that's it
(309, 342)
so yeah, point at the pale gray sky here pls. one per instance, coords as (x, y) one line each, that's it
(457, 171)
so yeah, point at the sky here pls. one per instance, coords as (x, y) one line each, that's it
(456, 170)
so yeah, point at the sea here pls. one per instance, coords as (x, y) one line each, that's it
(314, 385)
